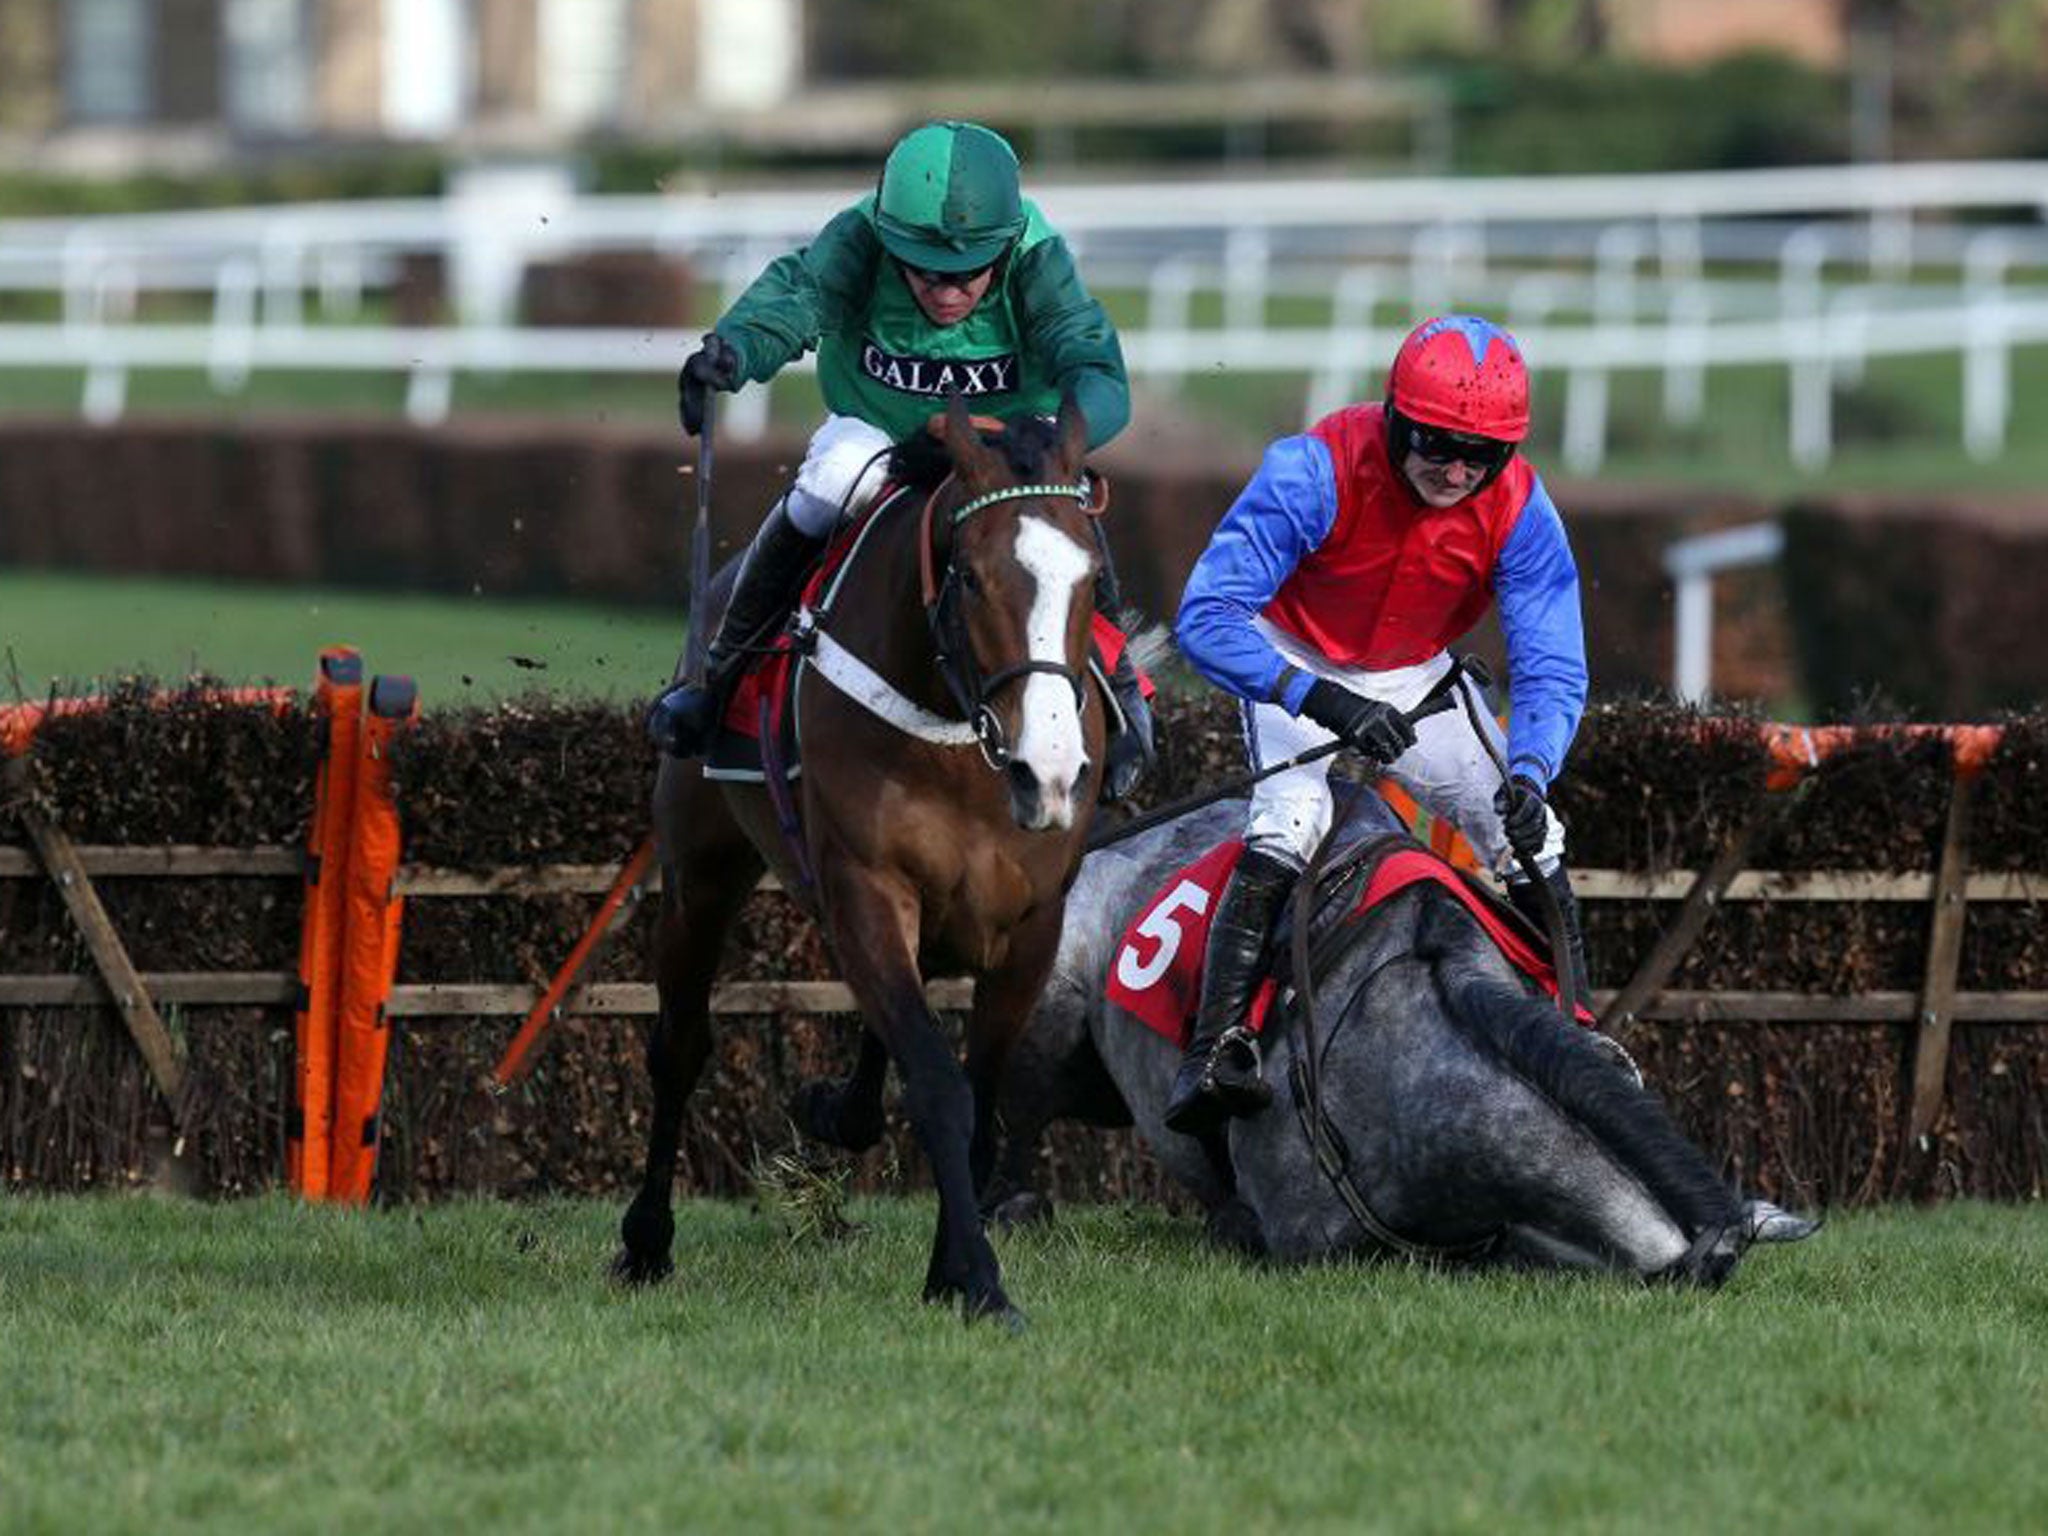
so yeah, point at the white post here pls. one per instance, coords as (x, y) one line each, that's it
(1615, 253)
(1441, 257)
(1585, 418)
(1685, 351)
(1987, 379)
(1811, 428)
(1987, 371)
(1351, 308)
(1692, 655)
(1692, 564)
(1167, 298)
(1247, 269)
(234, 325)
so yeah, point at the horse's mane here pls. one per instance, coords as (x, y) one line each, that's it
(1564, 1065)
(1026, 443)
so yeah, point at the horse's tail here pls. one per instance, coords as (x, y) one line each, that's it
(1564, 1065)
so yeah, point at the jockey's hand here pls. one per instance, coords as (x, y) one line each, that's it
(1372, 726)
(1520, 804)
(714, 365)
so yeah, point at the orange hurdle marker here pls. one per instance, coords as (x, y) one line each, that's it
(337, 702)
(370, 963)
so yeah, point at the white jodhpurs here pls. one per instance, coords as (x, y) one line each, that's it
(842, 470)
(1448, 771)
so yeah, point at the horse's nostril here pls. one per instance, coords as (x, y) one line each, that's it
(1023, 781)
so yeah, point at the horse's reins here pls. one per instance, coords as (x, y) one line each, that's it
(1546, 898)
(1304, 1081)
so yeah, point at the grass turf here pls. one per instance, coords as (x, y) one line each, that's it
(61, 628)
(265, 1366)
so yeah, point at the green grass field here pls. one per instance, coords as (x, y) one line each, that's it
(62, 628)
(263, 1366)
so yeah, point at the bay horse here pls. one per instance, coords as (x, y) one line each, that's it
(1444, 1110)
(950, 763)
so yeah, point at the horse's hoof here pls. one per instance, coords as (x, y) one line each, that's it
(820, 1112)
(1026, 1208)
(995, 1309)
(1235, 1226)
(1710, 1260)
(640, 1269)
(1769, 1223)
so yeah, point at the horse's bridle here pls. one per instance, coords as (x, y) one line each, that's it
(973, 691)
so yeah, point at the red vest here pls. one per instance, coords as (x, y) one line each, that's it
(1396, 581)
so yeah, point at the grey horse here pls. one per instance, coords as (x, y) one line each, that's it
(1451, 1113)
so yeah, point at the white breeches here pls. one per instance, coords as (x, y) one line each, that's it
(1447, 770)
(842, 470)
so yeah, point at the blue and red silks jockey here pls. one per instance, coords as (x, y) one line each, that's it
(1327, 601)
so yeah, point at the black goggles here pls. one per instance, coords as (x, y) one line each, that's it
(930, 279)
(1439, 445)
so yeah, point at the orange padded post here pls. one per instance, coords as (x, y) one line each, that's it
(337, 704)
(371, 951)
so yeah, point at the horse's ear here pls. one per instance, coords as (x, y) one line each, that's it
(1073, 428)
(971, 456)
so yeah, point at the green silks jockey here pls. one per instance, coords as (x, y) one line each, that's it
(946, 280)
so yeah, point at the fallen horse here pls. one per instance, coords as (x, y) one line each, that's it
(1430, 1101)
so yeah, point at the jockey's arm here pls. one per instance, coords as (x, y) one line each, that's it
(1070, 333)
(811, 292)
(1285, 512)
(1536, 583)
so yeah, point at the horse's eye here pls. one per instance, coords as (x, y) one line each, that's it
(969, 579)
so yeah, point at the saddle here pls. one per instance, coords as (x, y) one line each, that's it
(1156, 975)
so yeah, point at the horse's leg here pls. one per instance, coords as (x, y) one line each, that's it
(874, 926)
(1003, 1000)
(846, 1112)
(706, 876)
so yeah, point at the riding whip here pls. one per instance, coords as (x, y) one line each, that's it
(1435, 702)
(700, 549)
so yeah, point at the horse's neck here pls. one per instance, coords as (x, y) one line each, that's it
(878, 610)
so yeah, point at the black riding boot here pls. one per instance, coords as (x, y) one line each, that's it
(1529, 903)
(683, 719)
(1132, 752)
(1219, 1070)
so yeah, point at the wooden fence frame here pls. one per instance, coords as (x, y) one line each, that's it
(1934, 1009)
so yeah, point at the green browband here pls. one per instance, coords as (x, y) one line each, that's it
(961, 513)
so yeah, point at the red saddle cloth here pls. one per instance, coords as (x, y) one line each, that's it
(1156, 975)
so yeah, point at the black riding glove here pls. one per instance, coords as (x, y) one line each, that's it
(1520, 804)
(714, 365)
(1372, 726)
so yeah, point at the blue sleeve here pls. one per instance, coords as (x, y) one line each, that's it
(1536, 582)
(1285, 512)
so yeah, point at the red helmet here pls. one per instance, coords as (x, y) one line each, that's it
(1463, 374)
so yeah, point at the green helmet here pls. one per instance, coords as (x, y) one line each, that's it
(949, 200)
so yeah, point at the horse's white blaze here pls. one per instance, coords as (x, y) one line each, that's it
(1049, 740)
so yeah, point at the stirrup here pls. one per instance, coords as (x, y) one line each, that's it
(1240, 1042)
(1211, 1098)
